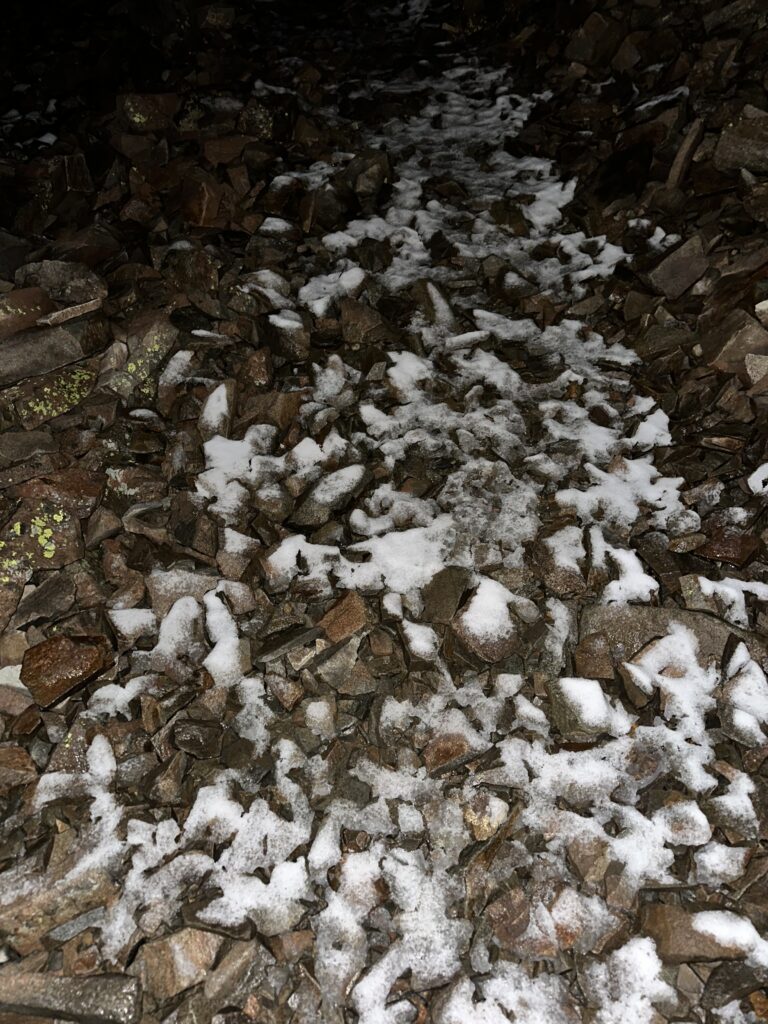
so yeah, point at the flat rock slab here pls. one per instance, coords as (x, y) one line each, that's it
(55, 667)
(678, 941)
(108, 999)
(629, 629)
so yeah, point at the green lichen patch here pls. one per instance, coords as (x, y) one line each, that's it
(54, 394)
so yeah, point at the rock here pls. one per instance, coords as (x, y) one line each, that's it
(737, 336)
(173, 964)
(682, 162)
(677, 940)
(592, 657)
(680, 269)
(54, 668)
(445, 748)
(67, 283)
(21, 308)
(106, 999)
(20, 445)
(580, 709)
(27, 918)
(596, 41)
(509, 916)
(200, 739)
(731, 981)
(36, 352)
(16, 768)
(346, 617)
(629, 629)
(744, 143)
(329, 495)
(443, 594)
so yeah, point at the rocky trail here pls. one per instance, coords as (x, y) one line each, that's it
(383, 478)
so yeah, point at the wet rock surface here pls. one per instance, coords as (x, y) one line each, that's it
(383, 477)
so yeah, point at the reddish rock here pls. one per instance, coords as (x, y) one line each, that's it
(57, 666)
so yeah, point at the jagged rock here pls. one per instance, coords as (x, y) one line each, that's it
(173, 964)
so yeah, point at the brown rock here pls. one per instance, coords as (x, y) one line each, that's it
(16, 767)
(509, 916)
(346, 617)
(57, 666)
(31, 915)
(677, 941)
(445, 748)
(727, 546)
(22, 308)
(592, 657)
(172, 964)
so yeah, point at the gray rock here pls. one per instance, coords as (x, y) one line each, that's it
(37, 351)
(68, 283)
(727, 345)
(629, 629)
(106, 999)
(330, 494)
(744, 143)
(680, 269)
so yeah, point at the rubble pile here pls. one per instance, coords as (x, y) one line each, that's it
(383, 475)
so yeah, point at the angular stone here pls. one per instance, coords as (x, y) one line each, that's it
(20, 445)
(106, 999)
(728, 344)
(16, 768)
(329, 495)
(744, 143)
(57, 666)
(678, 941)
(442, 595)
(509, 916)
(445, 748)
(172, 964)
(32, 914)
(346, 617)
(680, 269)
(36, 352)
(22, 308)
(592, 657)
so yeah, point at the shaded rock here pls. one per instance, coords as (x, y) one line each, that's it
(67, 283)
(56, 667)
(442, 595)
(106, 999)
(680, 269)
(16, 767)
(728, 344)
(36, 352)
(22, 308)
(744, 143)
(509, 916)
